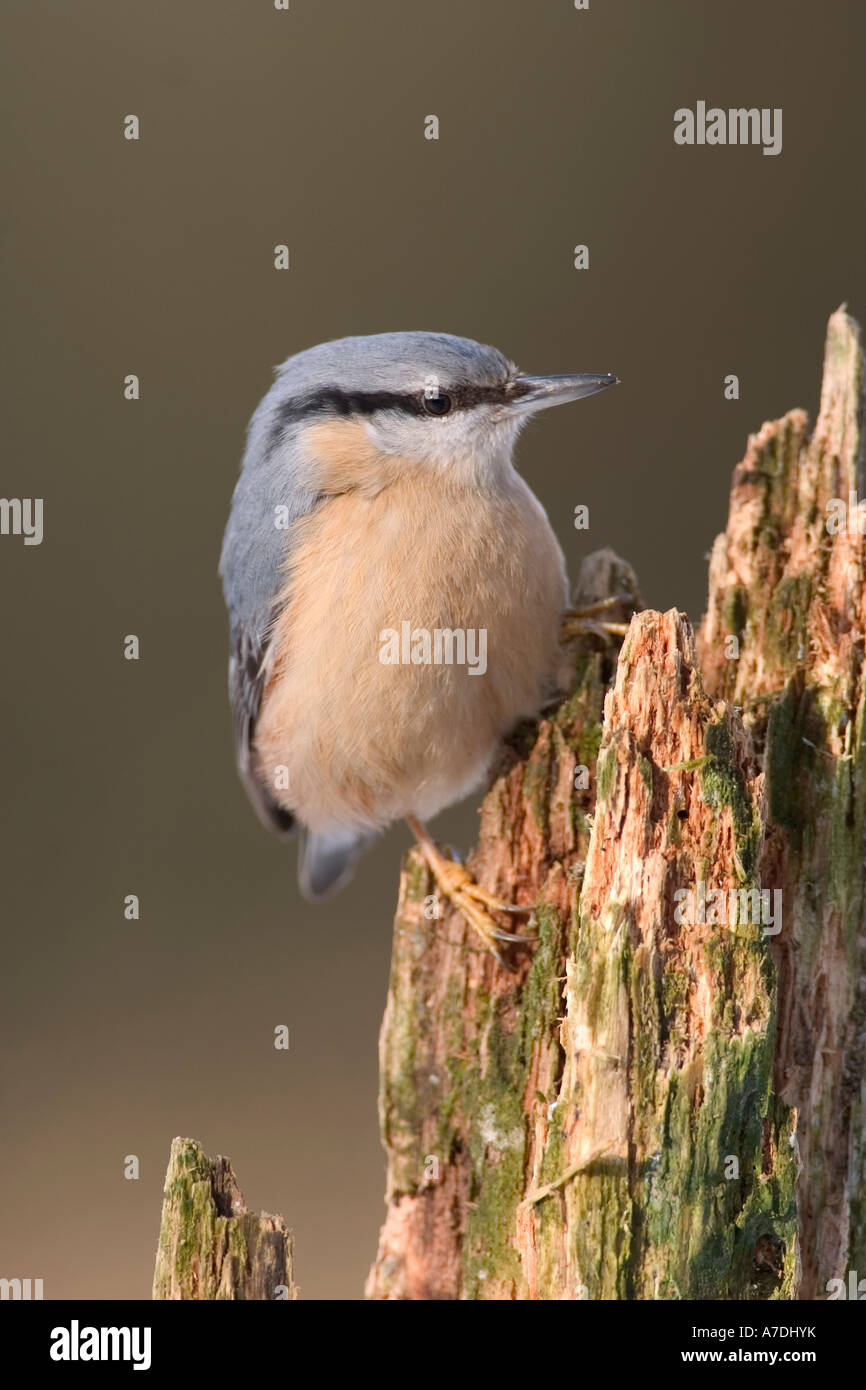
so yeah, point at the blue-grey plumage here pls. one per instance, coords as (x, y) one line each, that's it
(378, 496)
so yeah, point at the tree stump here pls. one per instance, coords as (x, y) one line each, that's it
(210, 1245)
(664, 1097)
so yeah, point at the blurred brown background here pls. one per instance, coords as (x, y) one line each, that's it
(306, 127)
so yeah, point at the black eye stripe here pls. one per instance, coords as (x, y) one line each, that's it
(330, 400)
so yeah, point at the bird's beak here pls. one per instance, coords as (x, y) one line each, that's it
(532, 393)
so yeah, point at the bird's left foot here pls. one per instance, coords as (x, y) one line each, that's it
(589, 621)
(474, 902)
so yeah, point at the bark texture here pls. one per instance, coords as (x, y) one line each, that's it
(210, 1245)
(661, 1100)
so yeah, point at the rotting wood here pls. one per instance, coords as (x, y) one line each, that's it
(645, 1107)
(210, 1245)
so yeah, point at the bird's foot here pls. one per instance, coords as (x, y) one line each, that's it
(475, 904)
(588, 621)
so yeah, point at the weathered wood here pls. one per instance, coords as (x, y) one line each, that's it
(792, 593)
(648, 1107)
(210, 1245)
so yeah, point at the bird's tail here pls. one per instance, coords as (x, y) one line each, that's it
(327, 859)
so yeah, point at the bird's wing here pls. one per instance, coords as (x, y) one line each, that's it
(247, 676)
(268, 499)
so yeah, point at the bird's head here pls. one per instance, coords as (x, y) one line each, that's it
(431, 399)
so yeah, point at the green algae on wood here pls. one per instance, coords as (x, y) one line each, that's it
(211, 1247)
(800, 679)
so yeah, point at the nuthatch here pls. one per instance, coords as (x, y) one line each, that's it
(378, 534)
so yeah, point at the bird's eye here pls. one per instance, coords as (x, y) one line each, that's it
(440, 404)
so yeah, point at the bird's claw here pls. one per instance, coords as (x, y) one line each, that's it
(474, 903)
(584, 621)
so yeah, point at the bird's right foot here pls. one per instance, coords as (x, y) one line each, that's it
(475, 904)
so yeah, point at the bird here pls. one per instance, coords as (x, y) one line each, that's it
(396, 595)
